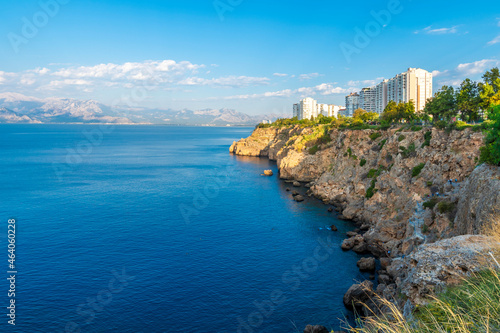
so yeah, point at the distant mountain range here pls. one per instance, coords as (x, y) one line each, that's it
(17, 108)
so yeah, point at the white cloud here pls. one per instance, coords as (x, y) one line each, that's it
(439, 31)
(229, 81)
(365, 83)
(323, 89)
(280, 74)
(309, 76)
(495, 40)
(472, 70)
(476, 67)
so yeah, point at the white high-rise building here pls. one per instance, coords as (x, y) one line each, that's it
(381, 96)
(296, 110)
(351, 103)
(309, 107)
(413, 85)
(367, 99)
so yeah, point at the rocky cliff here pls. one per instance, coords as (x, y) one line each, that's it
(395, 184)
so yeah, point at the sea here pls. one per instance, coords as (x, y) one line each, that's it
(160, 229)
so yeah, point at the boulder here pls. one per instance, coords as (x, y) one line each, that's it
(295, 193)
(358, 294)
(479, 202)
(435, 266)
(384, 279)
(351, 234)
(298, 198)
(268, 172)
(334, 228)
(316, 329)
(296, 184)
(366, 264)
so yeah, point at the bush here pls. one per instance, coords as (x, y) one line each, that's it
(416, 128)
(473, 306)
(362, 162)
(441, 124)
(313, 150)
(445, 206)
(375, 136)
(382, 143)
(370, 192)
(490, 152)
(429, 184)
(416, 170)
(427, 139)
(372, 173)
(408, 152)
(401, 138)
(431, 203)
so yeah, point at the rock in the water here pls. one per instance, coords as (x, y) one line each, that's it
(287, 189)
(330, 209)
(316, 329)
(298, 198)
(350, 243)
(351, 234)
(296, 184)
(294, 193)
(334, 228)
(268, 172)
(366, 264)
(358, 294)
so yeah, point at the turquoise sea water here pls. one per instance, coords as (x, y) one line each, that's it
(160, 229)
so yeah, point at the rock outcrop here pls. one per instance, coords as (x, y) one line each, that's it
(434, 266)
(395, 185)
(479, 202)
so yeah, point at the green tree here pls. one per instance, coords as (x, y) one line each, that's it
(490, 153)
(406, 111)
(358, 113)
(468, 100)
(489, 91)
(443, 106)
(491, 76)
(390, 112)
(370, 116)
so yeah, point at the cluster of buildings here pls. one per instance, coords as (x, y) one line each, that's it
(309, 107)
(413, 85)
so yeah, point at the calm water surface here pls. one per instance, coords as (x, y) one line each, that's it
(160, 229)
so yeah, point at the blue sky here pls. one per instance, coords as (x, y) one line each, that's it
(253, 56)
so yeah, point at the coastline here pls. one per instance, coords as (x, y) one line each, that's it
(397, 225)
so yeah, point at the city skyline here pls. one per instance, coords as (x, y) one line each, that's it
(199, 55)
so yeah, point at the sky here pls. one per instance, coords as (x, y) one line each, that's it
(253, 56)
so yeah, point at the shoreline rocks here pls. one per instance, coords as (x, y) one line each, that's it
(395, 223)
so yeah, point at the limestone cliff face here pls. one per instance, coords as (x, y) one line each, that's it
(343, 170)
(479, 202)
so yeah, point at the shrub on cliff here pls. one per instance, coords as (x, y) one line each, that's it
(416, 170)
(313, 150)
(375, 136)
(472, 306)
(490, 152)
(427, 139)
